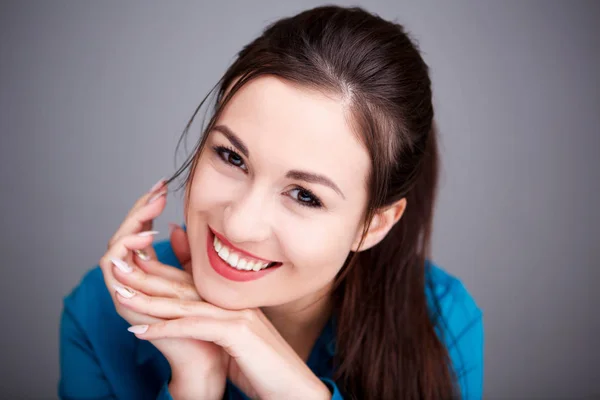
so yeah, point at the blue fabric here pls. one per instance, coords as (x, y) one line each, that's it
(99, 359)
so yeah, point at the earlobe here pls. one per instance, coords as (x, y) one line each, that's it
(381, 224)
(375, 221)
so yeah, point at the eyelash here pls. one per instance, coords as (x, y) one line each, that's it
(220, 150)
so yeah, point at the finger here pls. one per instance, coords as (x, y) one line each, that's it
(169, 272)
(153, 285)
(120, 292)
(180, 245)
(158, 187)
(134, 222)
(261, 359)
(117, 253)
(208, 329)
(170, 308)
(142, 220)
(120, 252)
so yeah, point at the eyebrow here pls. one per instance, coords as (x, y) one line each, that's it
(233, 138)
(306, 176)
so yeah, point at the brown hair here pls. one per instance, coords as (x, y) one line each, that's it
(387, 346)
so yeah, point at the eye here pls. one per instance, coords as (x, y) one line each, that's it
(306, 198)
(230, 157)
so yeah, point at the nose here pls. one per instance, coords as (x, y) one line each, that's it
(246, 219)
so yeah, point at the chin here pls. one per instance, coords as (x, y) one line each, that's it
(219, 283)
(213, 294)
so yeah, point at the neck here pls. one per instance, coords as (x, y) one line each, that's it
(301, 321)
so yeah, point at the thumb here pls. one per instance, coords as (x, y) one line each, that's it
(180, 245)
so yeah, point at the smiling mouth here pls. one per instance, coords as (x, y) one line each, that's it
(239, 261)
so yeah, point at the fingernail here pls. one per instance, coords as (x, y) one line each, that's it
(142, 255)
(122, 265)
(157, 185)
(138, 328)
(172, 227)
(157, 196)
(148, 233)
(123, 291)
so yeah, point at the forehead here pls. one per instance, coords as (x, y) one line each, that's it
(292, 127)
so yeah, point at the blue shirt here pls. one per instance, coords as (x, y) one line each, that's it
(100, 359)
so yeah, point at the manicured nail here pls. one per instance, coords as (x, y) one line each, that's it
(148, 233)
(172, 227)
(157, 196)
(138, 328)
(122, 265)
(142, 254)
(123, 291)
(157, 185)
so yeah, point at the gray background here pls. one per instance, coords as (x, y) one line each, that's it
(94, 96)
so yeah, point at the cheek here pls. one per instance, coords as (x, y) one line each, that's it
(317, 248)
(209, 187)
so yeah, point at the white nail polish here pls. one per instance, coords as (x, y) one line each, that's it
(148, 233)
(123, 291)
(138, 328)
(122, 265)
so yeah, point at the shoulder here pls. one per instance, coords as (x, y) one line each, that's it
(450, 294)
(459, 324)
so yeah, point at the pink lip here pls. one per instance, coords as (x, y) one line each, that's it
(226, 270)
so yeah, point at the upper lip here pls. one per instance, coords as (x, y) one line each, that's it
(238, 250)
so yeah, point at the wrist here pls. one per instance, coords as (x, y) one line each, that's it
(192, 384)
(320, 391)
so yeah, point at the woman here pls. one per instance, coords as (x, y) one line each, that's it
(302, 270)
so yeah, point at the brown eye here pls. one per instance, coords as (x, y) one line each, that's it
(235, 159)
(306, 198)
(230, 157)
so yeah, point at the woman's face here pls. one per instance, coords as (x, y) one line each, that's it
(281, 179)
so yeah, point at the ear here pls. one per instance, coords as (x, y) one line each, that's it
(381, 224)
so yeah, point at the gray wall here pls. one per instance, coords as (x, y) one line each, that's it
(94, 95)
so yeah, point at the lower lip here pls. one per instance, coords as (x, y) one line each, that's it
(226, 270)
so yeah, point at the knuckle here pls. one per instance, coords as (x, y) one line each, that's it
(160, 326)
(184, 307)
(146, 301)
(249, 316)
(120, 241)
(140, 276)
(195, 321)
(242, 326)
(180, 289)
(104, 261)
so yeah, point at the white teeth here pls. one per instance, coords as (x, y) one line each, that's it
(224, 253)
(234, 259)
(217, 244)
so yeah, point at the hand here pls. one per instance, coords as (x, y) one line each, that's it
(262, 365)
(120, 270)
(138, 220)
